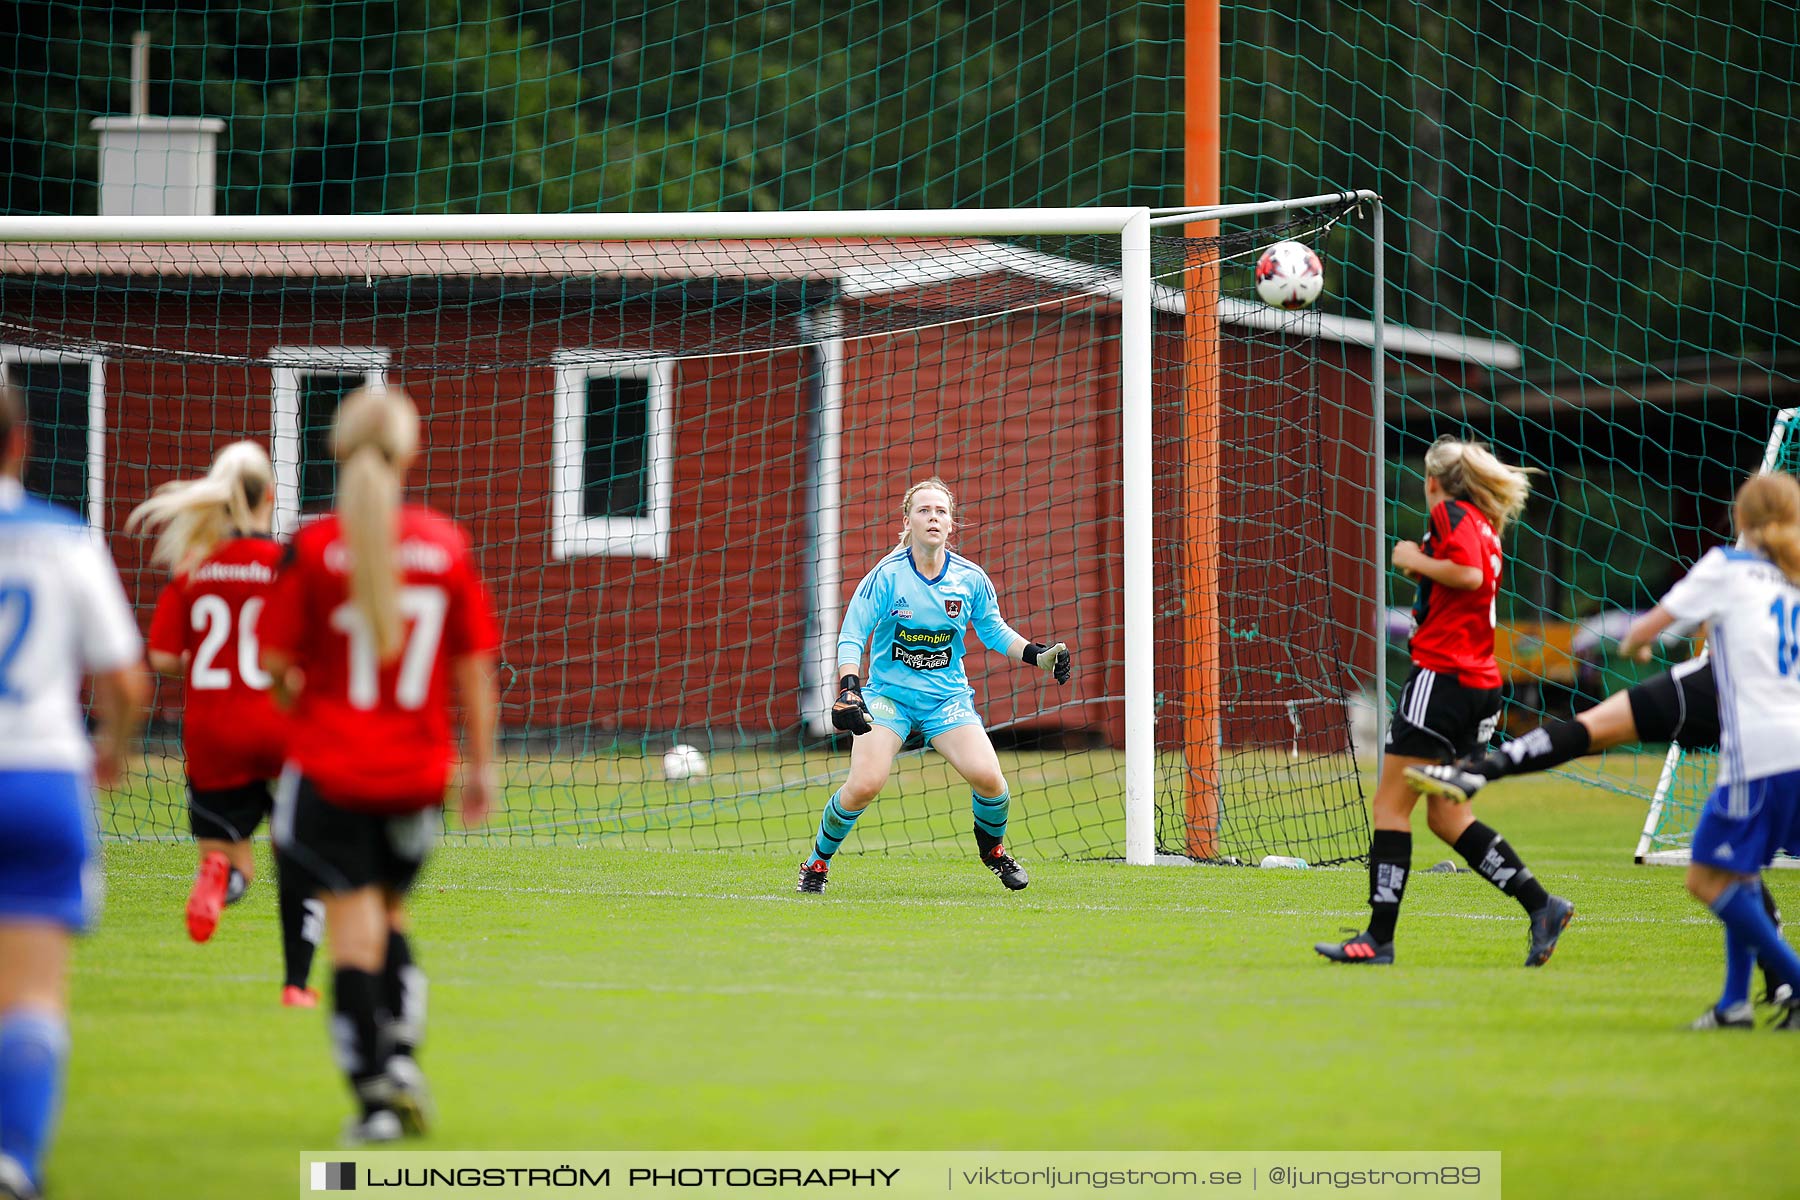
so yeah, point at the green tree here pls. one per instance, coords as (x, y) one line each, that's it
(558, 105)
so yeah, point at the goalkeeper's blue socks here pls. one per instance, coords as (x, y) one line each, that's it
(1740, 907)
(834, 827)
(990, 813)
(33, 1047)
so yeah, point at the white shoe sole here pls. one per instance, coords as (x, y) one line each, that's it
(1426, 785)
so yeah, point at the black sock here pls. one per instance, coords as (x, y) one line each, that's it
(302, 922)
(356, 1030)
(403, 989)
(235, 886)
(1547, 746)
(1390, 861)
(1501, 866)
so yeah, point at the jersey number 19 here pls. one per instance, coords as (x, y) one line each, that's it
(1787, 634)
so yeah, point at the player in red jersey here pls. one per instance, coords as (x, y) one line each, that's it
(1451, 701)
(377, 611)
(215, 539)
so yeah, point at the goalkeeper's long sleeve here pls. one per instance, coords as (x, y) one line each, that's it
(865, 610)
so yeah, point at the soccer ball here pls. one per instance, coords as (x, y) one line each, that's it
(1288, 275)
(683, 762)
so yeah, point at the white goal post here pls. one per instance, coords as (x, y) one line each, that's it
(1130, 226)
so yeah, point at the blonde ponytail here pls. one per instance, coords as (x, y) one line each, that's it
(1469, 471)
(376, 429)
(1768, 515)
(195, 515)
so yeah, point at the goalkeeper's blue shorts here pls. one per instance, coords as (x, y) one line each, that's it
(904, 712)
(49, 870)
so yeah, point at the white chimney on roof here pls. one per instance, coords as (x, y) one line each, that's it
(155, 166)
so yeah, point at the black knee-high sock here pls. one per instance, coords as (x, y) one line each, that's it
(356, 1033)
(1549, 745)
(1499, 864)
(404, 990)
(1390, 861)
(302, 924)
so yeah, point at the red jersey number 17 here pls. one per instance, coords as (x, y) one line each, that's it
(423, 609)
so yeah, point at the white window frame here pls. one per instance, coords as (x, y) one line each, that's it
(96, 416)
(291, 365)
(573, 535)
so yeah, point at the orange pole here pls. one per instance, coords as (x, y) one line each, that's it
(1201, 691)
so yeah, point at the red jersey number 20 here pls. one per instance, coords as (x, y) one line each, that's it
(210, 617)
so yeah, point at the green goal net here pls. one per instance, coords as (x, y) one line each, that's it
(1607, 187)
(676, 457)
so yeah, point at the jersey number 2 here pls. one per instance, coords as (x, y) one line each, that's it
(423, 608)
(15, 602)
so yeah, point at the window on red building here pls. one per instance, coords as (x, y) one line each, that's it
(613, 443)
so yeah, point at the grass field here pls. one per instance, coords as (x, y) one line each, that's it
(603, 998)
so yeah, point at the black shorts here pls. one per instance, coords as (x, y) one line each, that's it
(1438, 718)
(1680, 705)
(228, 814)
(330, 848)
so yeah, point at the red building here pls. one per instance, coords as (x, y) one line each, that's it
(677, 459)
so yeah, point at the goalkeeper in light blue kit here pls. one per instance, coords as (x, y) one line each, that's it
(917, 605)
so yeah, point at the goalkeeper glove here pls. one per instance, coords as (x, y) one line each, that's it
(850, 713)
(1054, 659)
